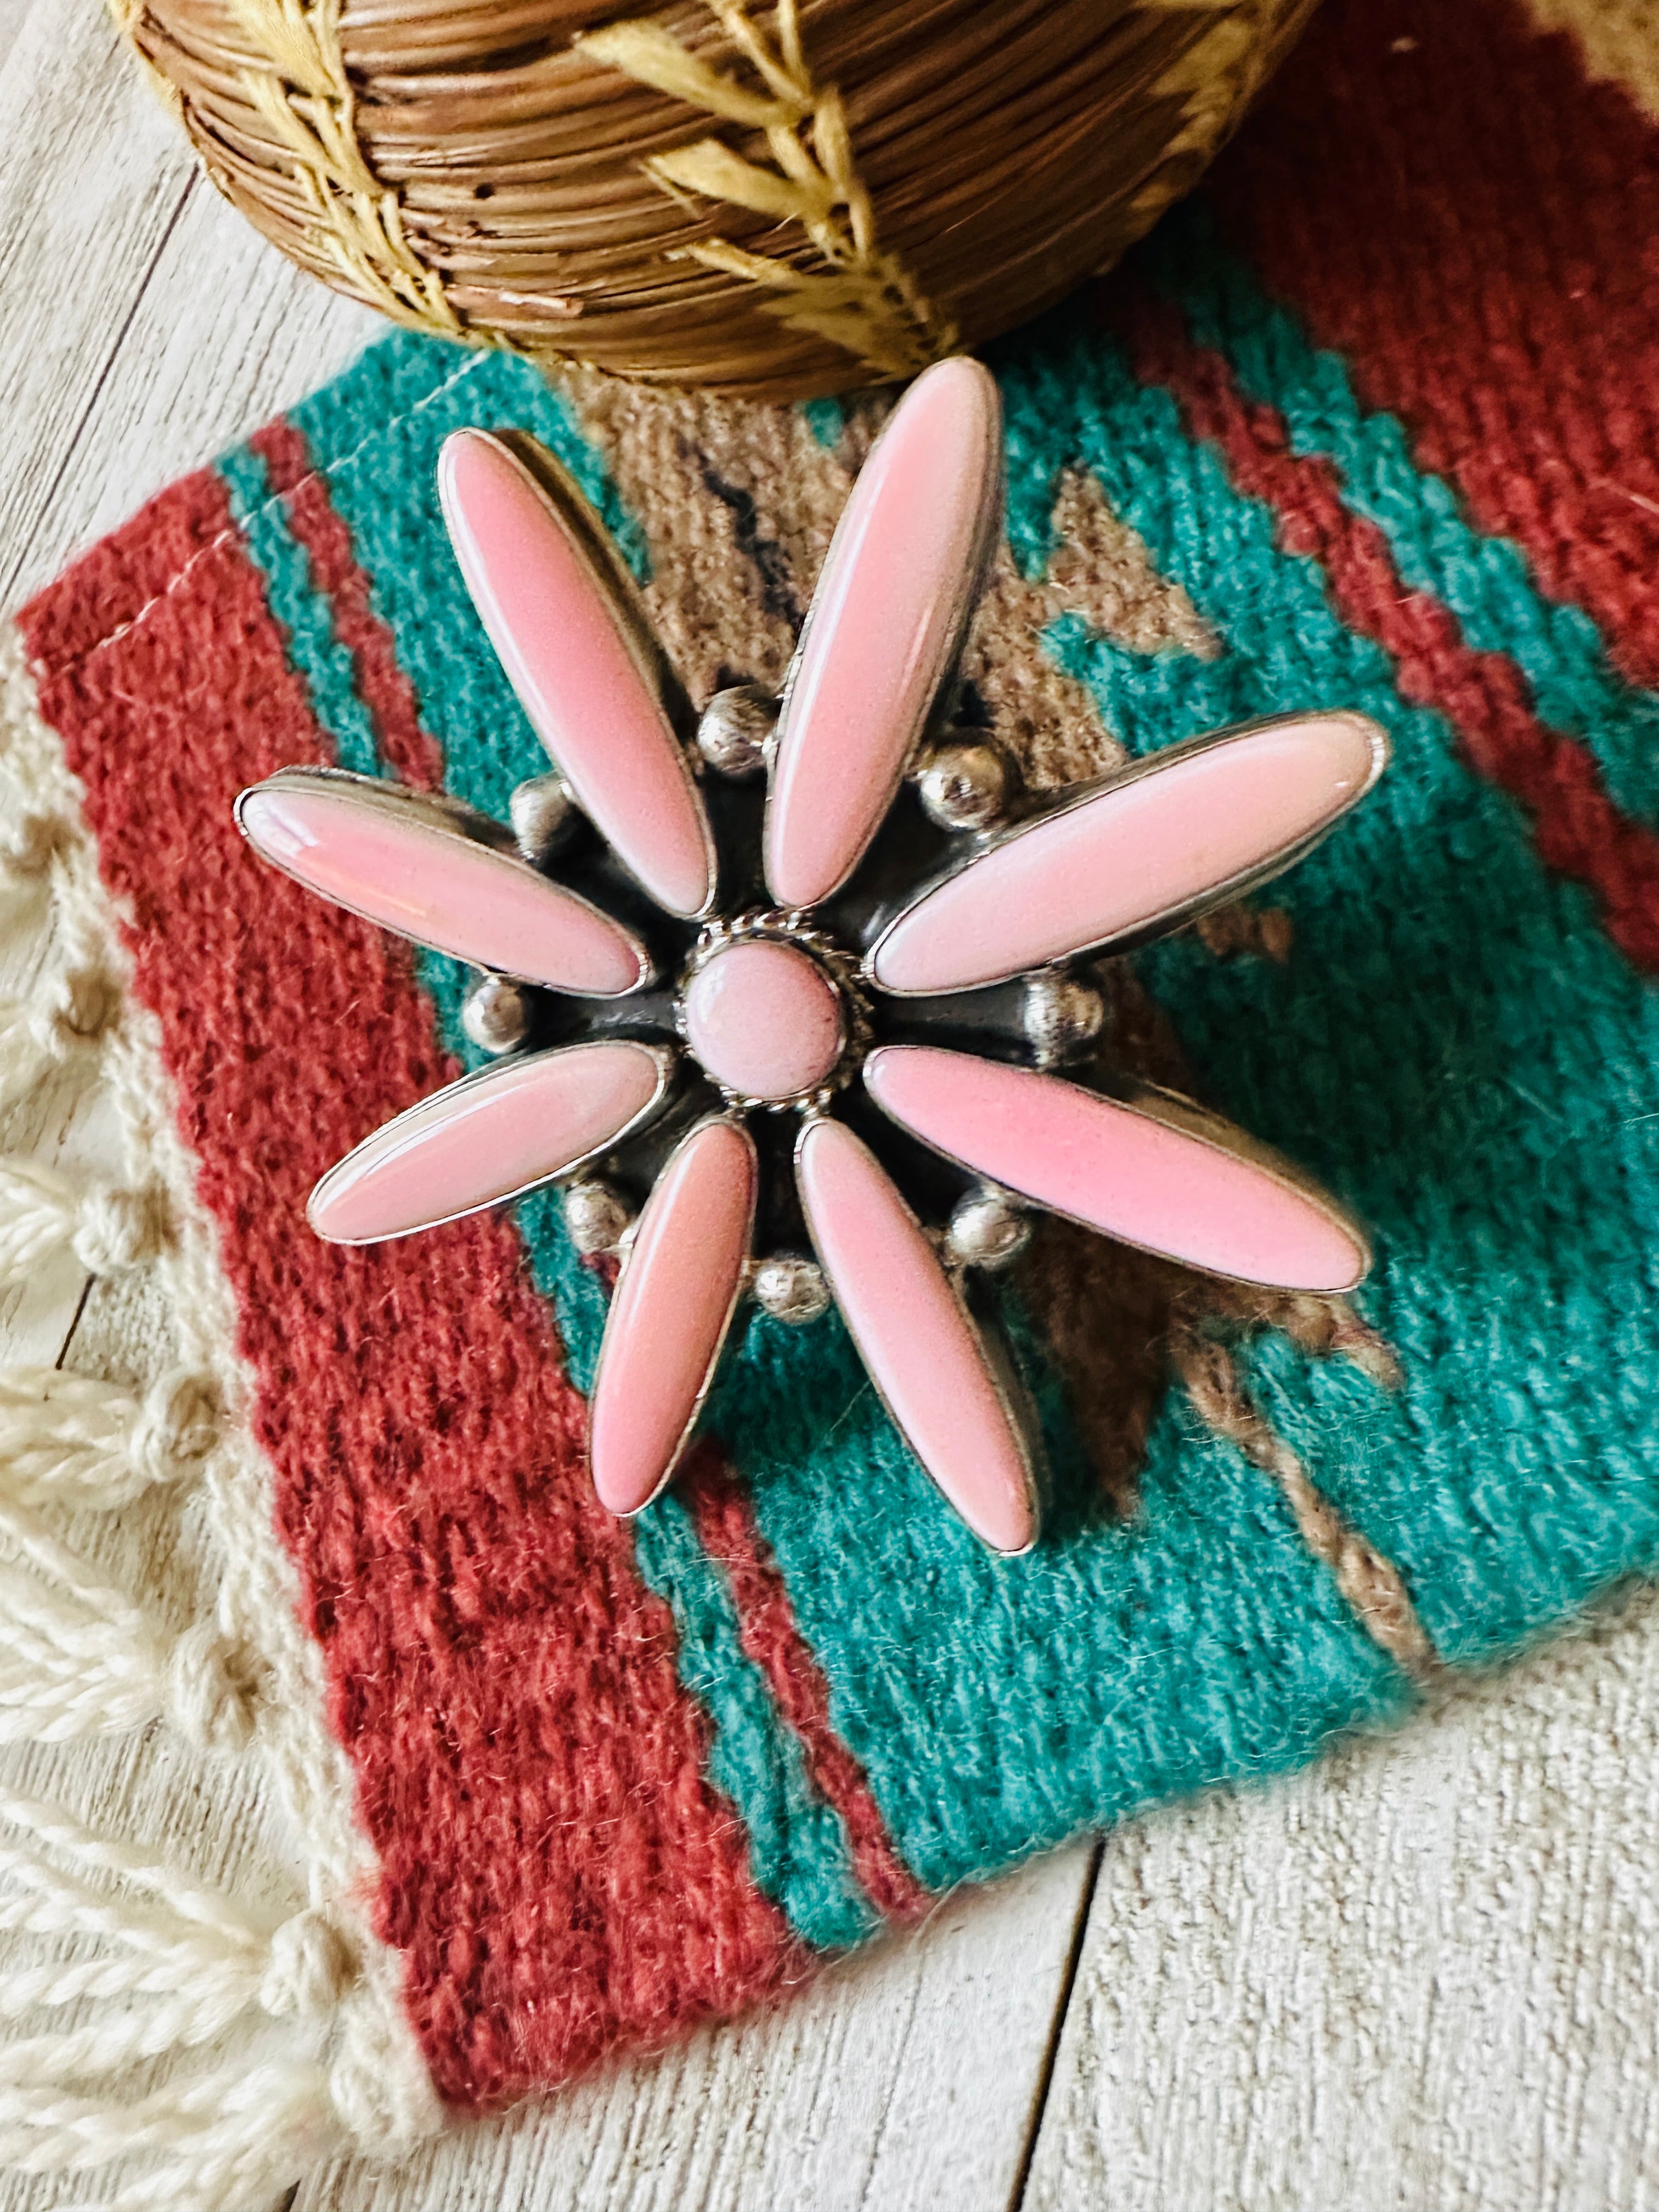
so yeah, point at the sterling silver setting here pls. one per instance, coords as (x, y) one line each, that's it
(772, 924)
(943, 1171)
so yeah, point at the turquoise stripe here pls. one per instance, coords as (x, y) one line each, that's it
(1000, 1706)
(383, 425)
(1487, 582)
(797, 1843)
(315, 652)
(1454, 1045)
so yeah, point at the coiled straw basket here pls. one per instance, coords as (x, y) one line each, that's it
(780, 199)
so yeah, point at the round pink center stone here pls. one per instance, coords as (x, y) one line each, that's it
(764, 1020)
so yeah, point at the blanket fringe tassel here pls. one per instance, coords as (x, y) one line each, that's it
(171, 2073)
(186, 1964)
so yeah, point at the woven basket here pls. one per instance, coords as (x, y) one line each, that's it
(779, 201)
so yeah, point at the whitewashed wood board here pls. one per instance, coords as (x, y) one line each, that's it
(1424, 1978)
(1243, 2030)
(910, 2076)
(12, 13)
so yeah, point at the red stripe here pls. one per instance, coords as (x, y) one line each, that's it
(1578, 829)
(1448, 202)
(725, 1524)
(767, 1629)
(554, 1864)
(382, 684)
(129, 572)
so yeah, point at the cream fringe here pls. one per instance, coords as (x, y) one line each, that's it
(231, 2047)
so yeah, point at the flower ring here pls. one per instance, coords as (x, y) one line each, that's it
(824, 947)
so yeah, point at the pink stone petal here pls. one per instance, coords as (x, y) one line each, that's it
(413, 864)
(1175, 835)
(1155, 1172)
(885, 628)
(582, 665)
(488, 1138)
(670, 1312)
(916, 1337)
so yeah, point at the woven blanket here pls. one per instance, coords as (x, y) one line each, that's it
(1367, 423)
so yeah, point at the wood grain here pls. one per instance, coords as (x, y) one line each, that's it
(12, 15)
(1423, 1977)
(906, 2080)
(1427, 1974)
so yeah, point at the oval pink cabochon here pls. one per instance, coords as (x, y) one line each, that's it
(882, 627)
(1147, 846)
(671, 1311)
(1118, 1168)
(553, 621)
(409, 871)
(485, 1138)
(922, 1348)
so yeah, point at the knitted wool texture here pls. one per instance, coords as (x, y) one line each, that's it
(1347, 432)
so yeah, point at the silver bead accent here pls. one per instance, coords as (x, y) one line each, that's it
(791, 1288)
(496, 1014)
(963, 783)
(735, 730)
(1061, 1017)
(986, 1231)
(597, 1217)
(542, 811)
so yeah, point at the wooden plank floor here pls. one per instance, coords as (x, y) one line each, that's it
(1425, 1976)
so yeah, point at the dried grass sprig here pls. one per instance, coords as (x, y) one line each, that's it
(305, 97)
(863, 299)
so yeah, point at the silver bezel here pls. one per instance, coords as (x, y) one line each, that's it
(667, 1057)
(570, 509)
(966, 593)
(1172, 918)
(1021, 1415)
(740, 1286)
(793, 929)
(434, 813)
